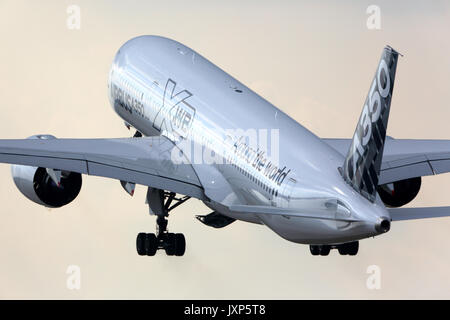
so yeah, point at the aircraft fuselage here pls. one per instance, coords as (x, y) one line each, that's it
(244, 150)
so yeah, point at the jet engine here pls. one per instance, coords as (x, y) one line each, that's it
(47, 187)
(399, 193)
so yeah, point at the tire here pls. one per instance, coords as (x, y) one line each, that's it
(324, 250)
(343, 249)
(180, 244)
(352, 248)
(170, 244)
(315, 250)
(151, 244)
(140, 244)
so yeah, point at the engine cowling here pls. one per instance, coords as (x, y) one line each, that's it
(36, 184)
(399, 193)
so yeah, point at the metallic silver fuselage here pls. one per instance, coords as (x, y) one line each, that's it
(145, 68)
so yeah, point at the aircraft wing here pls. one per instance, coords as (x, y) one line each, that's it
(406, 158)
(145, 161)
(398, 214)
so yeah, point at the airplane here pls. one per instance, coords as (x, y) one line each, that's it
(195, 138)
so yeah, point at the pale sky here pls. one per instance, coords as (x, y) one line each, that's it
(313, 61)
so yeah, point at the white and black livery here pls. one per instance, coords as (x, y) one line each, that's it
(363, 162)
(327, 193)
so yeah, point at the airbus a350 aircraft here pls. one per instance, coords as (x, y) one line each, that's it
(328, 193)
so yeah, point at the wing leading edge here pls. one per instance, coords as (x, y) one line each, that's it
(145, 161)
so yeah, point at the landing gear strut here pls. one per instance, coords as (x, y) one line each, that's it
(160, 203)
(349, 248)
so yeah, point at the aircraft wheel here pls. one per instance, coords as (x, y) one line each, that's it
(349, 248)
(140, 244)
(342, 249)
(315, 250)
(151, 244)
(180, 244)
(170, 244)
(324, 250)
(352, 248)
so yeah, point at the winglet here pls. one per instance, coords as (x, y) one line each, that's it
(362, 164)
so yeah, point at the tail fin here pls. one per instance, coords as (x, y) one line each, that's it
(362, 165)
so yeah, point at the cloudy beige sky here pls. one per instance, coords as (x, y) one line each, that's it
(314, 61)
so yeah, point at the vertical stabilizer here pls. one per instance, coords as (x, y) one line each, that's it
(362, 164)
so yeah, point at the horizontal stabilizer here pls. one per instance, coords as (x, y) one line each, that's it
(399, 214)
(406, 158)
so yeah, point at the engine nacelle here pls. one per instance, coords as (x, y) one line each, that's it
(36, 184)
(399, 193)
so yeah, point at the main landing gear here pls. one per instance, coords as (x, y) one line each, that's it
(160, 203)
(349, 248)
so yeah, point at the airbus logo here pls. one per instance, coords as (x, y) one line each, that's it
(380, 88)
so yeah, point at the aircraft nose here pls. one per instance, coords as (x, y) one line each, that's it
(383, 225)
